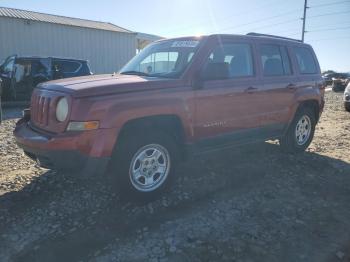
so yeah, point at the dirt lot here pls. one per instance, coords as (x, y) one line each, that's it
(248, 204)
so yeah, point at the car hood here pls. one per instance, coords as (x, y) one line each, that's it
(107, 84)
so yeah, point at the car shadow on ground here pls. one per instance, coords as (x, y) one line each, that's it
(89, 215)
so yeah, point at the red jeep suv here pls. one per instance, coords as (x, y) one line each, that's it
(177, 96)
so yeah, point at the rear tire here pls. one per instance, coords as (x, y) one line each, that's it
(300, 132)
(143, 163)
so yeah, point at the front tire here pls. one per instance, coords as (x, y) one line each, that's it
(300, 132)
(143, 164)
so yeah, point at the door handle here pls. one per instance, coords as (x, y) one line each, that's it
(291, 86)
(251, 89)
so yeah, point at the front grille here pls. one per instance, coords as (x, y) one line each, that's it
(43, 108)
(40, 110)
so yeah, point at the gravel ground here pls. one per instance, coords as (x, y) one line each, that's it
(253, 203)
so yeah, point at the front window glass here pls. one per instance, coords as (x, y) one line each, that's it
(236, 57)
(163, 59)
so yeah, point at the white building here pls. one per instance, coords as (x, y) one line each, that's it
(106, 46)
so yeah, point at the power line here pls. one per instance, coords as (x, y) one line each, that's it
(321, 15)
(330, 38)
(329, 29)
(240, 14)
(225, 19)
(280, 23)
(286, 22)
(258, 21)
(329, 4)
(327, 14)
(274, 24)
(322, 26)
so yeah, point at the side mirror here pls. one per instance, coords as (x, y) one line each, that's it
(216, 71)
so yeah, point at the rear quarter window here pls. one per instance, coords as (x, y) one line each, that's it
(306, 61)
(67, 66)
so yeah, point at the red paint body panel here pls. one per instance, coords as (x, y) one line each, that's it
(94, 143)
(217, 108)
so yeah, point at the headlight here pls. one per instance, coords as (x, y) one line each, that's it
(347, 96)
(62, 109)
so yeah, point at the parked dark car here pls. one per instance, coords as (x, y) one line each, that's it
(328, 78)
(340, 81)
(338, 77)
(21, 74)
(347, 98)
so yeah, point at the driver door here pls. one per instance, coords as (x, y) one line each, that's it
(225, 109)
(23, 84)
(6, 74)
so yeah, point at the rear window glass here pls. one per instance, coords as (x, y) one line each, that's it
(306, 61)
(66, 66)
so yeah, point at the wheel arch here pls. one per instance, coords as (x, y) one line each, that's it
(170, 124)
(310, 103)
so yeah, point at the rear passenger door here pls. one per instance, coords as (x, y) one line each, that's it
(279, 85)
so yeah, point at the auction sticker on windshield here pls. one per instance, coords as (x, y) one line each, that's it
(188, 43)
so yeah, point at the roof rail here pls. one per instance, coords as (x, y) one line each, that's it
(274, 36)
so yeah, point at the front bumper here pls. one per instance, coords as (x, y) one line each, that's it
(60, 152)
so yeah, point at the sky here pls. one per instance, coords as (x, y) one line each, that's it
(327, 21)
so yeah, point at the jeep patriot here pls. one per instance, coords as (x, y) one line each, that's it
(176, 97)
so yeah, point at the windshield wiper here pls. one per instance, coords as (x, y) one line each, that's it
(138, 73)
(145, 74)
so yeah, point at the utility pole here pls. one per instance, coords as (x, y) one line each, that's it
(304, 18)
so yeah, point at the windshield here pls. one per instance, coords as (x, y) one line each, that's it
(164, 59)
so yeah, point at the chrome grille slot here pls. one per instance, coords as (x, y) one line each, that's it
(46, 110)
(42, 114)
(40, 110)
(35, 109)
